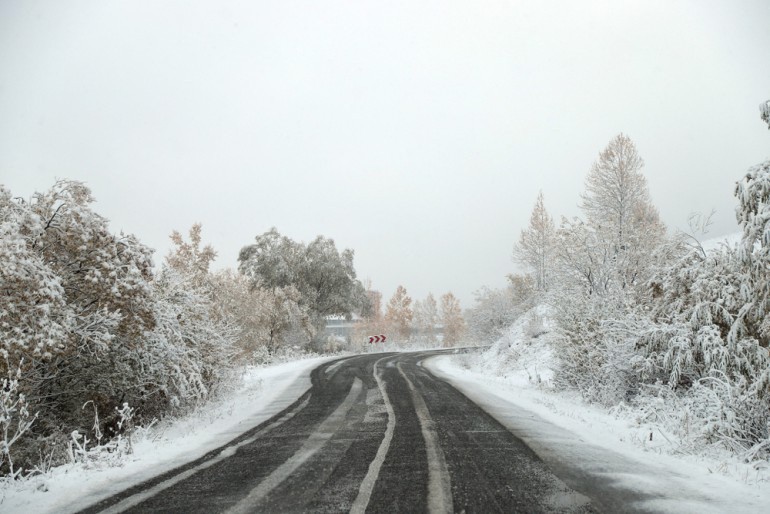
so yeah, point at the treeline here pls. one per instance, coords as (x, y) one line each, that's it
(645, 317)
(94, 340)
(406, 322)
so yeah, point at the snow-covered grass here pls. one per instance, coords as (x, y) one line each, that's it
(263, 392)
(625, 445)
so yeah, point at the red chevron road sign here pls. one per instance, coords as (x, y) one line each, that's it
(377, 339)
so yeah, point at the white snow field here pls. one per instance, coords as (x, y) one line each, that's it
(263, 392)
(595, 446)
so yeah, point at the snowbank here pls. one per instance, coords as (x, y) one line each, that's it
(593, 447)
(263, 393)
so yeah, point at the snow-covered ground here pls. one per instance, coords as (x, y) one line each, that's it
(263, 392)
(593, 446)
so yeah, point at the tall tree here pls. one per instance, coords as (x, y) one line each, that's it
(398, 313)
(618, 209)
(452, 319)
(614, 189)
(535, 244)
(426, 318)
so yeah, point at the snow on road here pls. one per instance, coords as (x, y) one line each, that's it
(263, 393)
(585, 445)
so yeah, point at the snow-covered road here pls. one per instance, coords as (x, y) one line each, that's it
(375, 433)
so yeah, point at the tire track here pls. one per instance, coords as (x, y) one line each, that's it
(367, 484)
(313, 445)
(439, 484)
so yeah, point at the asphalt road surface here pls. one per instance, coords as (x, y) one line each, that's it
(375, 433)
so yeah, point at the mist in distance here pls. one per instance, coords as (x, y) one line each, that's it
(416, 133)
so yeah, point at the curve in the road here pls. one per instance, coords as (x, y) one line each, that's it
(375, 433)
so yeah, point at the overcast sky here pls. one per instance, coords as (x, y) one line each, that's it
(416, 133)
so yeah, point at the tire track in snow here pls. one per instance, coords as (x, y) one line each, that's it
(439, 486)
(367, 484)
(314, 443)
(229, 451)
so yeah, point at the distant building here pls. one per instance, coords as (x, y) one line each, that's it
(341, 327)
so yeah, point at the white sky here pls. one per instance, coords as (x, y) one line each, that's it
(417, 133)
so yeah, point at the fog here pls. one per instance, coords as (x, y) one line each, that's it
(416, 133)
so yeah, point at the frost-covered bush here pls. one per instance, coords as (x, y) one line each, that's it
(700, 318)
(711, 329)
(89, 321)
(703, 344)
(185, 357)
(494, 311)
(711, 413)
(595, 349)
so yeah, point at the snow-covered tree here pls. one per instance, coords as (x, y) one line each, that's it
(614, 189)
(753, 213)
(189, 257)
(426, 318)
(452, 319)
(617, 206)
(75, 295)
(325, 278)
(535, 246)
(35, 320)
(236, 301)
(374, 310)
(585, 264)
(85, 320)
(286, 320)
(708, 332)
(493, 313)
(522, 289)
(189, 353)
(105, 277)
(398, 314)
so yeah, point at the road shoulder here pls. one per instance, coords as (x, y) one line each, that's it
(589, 458)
